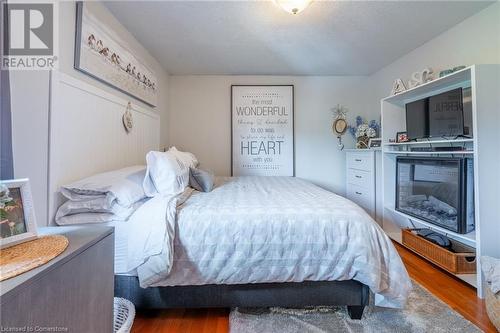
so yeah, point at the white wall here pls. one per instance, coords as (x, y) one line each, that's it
(30, 135)
(67, 17)
(475, 40)
(200, 121)
(30, 100)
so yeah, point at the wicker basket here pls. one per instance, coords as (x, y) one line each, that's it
(124, 313)
(493, 307)
(461, 261)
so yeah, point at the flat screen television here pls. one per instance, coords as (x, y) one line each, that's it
(417, 119)
(467, 105)
(446, 114)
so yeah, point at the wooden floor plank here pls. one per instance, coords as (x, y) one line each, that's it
(454, 292)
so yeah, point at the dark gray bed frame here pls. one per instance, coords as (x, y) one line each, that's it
(350, 293)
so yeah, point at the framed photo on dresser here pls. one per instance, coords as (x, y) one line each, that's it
(17, 216)
(262, 130)
(375, 143)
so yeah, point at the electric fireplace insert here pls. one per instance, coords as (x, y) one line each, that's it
(437, 190)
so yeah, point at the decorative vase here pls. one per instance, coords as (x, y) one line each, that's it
(362, 142)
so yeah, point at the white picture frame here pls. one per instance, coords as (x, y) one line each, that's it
(262, 130)
(100, 52)
(21, 224)
(375, 143)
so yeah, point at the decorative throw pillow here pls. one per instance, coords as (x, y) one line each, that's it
(188, 159)
(201, 180)
(165, 174)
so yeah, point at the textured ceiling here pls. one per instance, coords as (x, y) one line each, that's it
(247, 37)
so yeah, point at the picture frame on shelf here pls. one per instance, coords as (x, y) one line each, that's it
(375, 143)
(401, 137)
(17, 215)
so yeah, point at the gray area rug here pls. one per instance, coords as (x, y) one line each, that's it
(423, 313)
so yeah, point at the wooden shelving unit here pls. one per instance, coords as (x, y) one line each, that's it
(483, 148)
(468, 239)
(429, 142)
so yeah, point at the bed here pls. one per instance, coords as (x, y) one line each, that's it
(156, 245)
(257, 242)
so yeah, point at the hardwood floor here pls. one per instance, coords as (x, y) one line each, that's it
(183, 321)
(456, 293)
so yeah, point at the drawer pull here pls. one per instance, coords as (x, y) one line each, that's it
(357, 160)
(358, 193)
(358, 176)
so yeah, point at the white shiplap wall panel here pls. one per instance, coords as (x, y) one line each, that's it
(87, 135)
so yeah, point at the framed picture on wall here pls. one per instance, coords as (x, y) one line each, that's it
(103, 54)
(262, 130)
(17, 216)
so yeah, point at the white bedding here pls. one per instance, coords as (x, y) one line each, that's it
(151, 232)
(122, 233)
(268, 229)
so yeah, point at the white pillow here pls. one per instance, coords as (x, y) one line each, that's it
(188, 159)
(166, 174)
(123, 186)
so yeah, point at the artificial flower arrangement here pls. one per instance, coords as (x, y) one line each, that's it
(364, 131)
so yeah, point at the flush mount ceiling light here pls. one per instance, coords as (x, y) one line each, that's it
(293, 6)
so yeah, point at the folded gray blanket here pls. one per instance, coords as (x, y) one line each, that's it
(105, 197)
(123, 186)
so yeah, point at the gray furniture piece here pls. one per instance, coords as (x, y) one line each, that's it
(71, 293)
(353, 294)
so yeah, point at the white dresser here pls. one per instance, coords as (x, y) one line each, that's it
(361, 178)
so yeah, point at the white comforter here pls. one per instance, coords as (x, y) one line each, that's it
(270, 229)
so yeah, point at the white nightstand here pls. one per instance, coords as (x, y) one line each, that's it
(361, 179)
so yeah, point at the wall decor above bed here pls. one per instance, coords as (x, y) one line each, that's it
(103, 55)
(262, 130)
